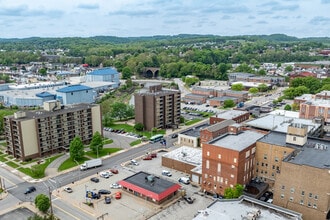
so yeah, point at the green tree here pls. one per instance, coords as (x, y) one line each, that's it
(262, 87)
(295, 107)
(235, 192)
(288, 68)
(229, 103)
(253, 90)
(262, 72)
(237, 87)
(287, 107)
(96, 144)
(313, 84)
(244, 68)
(42, 202)
(76, 149)
(139, 127)
(38, 217)
(126, 73)
(118, 110)
(43, 71)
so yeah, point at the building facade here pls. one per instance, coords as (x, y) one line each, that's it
(104, 74)
(158, 108)
(76, 94)
(34, 134)
(228, 160)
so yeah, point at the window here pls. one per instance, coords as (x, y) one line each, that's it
(315, 206)
(247, 154)
(262, 164)
(276, 159)
(253, 150)
(219, 167)
(205, 175)
(309, 204)
(316, 197)
(265, 156)
(208, 153)
(231, 175)
(291, 199)
(207, 164)
(282, 196)
(235, 160)
(233, 166)
(301, 202)
(310, 195)
(294, 138)
(273, 174)
(302, 193)
(283, 187)
(257, 163)
(292, 190)
(256, 170)
(273, 167)
(219, 156)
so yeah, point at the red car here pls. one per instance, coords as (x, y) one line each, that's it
(114, 171)
(147, 157)
(153, 155)
(118, 195)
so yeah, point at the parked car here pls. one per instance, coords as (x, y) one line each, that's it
(115, 186)
(184, 180)
(148, 157)
(105, 174)
(107, 200)
(30, 190)
(188, 199)
(114, 171)
(166, 173)
(104, 191)
(134, 162)
(68, 189)
(174, 135)
(95, 179)
(118, 195)
(153, 155)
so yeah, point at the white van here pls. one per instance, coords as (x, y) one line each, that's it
(166, 173)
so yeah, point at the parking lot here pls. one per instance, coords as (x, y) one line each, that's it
(129, 206)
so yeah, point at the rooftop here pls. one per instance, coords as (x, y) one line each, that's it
(285, 113)
(237, 142)
(229, 209)
(104, 71)
(74, 88)
(220, 125)
(315, 153)
(196, 95)
(224, 98)
(158, 185)
(280, 123)
(195, 131)
(231, 114)
(186, 154)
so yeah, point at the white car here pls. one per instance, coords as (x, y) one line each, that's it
(115, 186)
(68, 189)
(134, 162)
(105, 174)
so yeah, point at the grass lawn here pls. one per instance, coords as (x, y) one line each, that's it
(12, 164)
(39, 169)
(70, 163)
(103, 152)
(136, 142)
(193, 121)
(3, 158)
(107, 141)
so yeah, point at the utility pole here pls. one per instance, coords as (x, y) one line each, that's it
(51, 205)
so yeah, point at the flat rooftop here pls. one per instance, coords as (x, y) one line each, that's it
(285, 113)
(280, 123)
(238, 141)
(195, 131)
(315, 153)
(224, 98)
(229, 209)
(231, 114)
(186, 154)
(158, 186)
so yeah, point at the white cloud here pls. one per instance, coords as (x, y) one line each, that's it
(60, 18)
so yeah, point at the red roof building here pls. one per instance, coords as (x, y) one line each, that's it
(149, 187)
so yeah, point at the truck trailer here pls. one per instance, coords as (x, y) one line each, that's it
(91, 164)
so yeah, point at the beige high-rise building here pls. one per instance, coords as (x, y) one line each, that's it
(158, 108)
(33, 134)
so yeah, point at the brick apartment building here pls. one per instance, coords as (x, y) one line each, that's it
(33, 134)
(203, 91)
(195, 98)
(158, 108)
(228, 160)
(241, 96)
(237, 115)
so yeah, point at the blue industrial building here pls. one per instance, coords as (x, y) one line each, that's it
(108, 74)
(74, 94)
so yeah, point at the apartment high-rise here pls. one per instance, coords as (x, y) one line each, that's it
(32, 134)
(158, 108)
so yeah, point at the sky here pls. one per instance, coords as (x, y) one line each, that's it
(134, 18)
